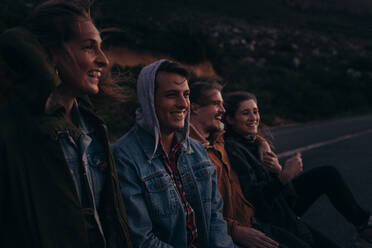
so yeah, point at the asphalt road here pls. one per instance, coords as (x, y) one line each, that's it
(351, 155)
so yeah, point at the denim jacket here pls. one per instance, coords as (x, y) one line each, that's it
(39, 203)
(155, 211)
(87, 161)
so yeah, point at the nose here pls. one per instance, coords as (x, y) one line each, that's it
(183, 102)
(222, 109)
(252, 117)
(101, 58)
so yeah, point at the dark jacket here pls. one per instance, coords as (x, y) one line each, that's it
(273, 201)
(39, 205)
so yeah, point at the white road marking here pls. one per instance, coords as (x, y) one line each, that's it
(320, 144)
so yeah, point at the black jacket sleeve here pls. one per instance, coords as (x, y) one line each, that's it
(258, 186)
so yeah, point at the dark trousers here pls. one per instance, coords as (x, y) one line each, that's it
(326, 180)
(321, 241)
(282, 236)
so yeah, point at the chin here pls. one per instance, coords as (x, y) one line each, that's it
(175, 126)
(95, 92)
(252, 133)
(92, 91)
(180, 126)
(247, 132)
(214, 128)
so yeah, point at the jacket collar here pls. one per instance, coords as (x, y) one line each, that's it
(195, 134)
(216, 144)
(54, 124)
(147, 142)
(216, 137)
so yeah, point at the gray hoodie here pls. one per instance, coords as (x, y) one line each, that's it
(155, 211)
(146, 114)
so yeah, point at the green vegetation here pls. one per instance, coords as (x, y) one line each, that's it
(304, 59)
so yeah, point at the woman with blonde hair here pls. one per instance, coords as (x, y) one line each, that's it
(58, 182)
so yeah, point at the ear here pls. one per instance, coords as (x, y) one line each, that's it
(195, 108)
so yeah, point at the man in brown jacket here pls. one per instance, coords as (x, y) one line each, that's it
(206, 127)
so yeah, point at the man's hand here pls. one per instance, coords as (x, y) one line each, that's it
(271, 162)
(252, 238)
(292, 168)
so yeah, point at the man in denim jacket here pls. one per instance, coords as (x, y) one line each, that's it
(167, 180)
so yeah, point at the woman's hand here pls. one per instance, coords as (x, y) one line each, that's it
(268, 158)
(292, 168)
(271, 162)
(263, 147)
(250, 237)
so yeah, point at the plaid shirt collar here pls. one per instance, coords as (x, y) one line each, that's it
(171, 164)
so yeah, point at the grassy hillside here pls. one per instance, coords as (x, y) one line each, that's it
(304, 59)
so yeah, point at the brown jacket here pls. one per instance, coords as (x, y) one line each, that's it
(236, 209)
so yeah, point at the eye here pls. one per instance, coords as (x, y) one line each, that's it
(186, 94)
(171, 95)
(90, 47)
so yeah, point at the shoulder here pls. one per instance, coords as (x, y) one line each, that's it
(129, 157)
(232, 144)
(195, 144)
(229, 137)
(126, 144)
(15, 122)
(126, 140)
(198, 157)
(197, 148)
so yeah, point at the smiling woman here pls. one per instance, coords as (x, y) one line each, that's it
(281, 195)
(246, 119)
(57, 174)
(75, 53)
(243, 115)
(81, 67)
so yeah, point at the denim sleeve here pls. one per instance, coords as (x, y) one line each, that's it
(138, 214)
(218, 229)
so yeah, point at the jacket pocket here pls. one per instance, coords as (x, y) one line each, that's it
(161, 194)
